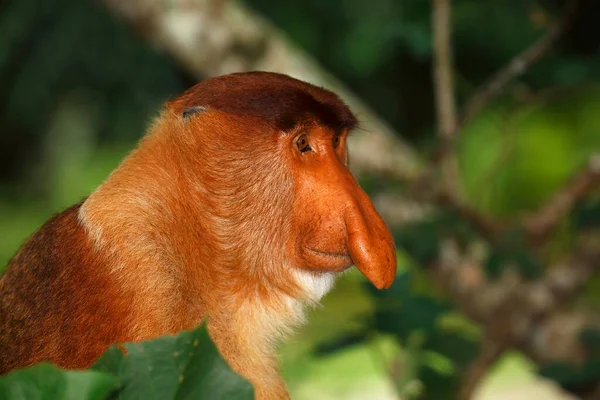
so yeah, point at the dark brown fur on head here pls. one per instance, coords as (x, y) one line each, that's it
(276, 99)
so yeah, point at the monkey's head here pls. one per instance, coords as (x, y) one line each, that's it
(271, 159)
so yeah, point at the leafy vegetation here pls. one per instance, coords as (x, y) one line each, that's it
(187, 366)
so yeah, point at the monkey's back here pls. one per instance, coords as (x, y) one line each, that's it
(58, 302)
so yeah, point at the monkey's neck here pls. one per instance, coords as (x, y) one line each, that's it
(163, 242)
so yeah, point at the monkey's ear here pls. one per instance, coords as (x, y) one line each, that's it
(191, 111)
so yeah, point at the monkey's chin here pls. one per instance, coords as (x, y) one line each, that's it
(327, 261)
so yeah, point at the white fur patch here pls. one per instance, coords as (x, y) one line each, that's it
(93, 231)
(315, 285)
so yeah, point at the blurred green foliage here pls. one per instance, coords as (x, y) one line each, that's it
(47, 382)
(516, 155)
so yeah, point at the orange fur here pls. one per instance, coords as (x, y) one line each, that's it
(217, 215)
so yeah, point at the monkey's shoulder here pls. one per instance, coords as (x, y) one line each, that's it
(52, 247)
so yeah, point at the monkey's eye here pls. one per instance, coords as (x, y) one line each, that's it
(336, 141)
(302, 144)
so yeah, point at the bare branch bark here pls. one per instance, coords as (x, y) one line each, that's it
(595, 394)
(451, 193)
(216, 37)
(536, 316)
(479, 368)
(443, 71)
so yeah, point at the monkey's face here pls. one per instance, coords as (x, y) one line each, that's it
(271, 152)
(334, 222)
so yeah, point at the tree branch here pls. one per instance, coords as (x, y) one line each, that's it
(517, 66)
(536, 316)
(543, 221)
(539, 224)
(451, 195)
(213, 37)
(492, 349)
(443, 71)
(487, 227)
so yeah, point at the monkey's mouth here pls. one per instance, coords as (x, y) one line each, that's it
(332, 261)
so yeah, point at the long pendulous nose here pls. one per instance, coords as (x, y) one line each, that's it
(370, 242)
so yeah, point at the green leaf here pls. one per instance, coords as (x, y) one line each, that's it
(453, 225)
(439, 386)
(570, 376)
(47, 382)
(187, 366)
(417, 313)
(494, 265)
(459, 349)
(587, 216)
(530, 265)
(400, 289)
(590, 338)
(438, 362)
(420, 241)
(340, 342)
(512, 248)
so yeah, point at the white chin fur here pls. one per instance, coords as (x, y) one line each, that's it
(315, 285)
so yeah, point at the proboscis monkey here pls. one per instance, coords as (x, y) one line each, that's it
(237, 207)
